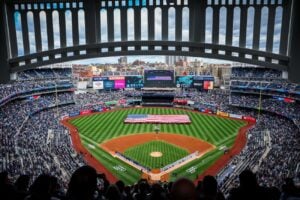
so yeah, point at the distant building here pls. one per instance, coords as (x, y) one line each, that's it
(122, 60)
(171, 60)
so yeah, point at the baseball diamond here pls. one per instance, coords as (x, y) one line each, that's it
(207, 134)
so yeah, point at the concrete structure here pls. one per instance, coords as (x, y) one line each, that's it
(59, 21)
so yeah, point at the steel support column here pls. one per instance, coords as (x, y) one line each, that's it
(243, 28)
(197, 21)
(124, 29)
(151, 24)
(37, 31)
(91, 27)
(137, 24)
(4, 66)
(25, 32)
(294, 66)
(284, 36)
(12, 30)
(178, 26)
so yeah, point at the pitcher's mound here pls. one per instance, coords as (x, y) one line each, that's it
(156, 154)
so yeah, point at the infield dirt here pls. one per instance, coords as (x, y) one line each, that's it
(191, 144)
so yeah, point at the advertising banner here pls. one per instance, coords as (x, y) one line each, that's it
(122, 101)
(83, 112)
(223, 114)
(198, 84)
(98, 85)
(249, 118)
(134, 81)
(116, 78)
(101, 78)
(190, 102)
(184, 81)
(180, 101)
(74, 114)
(119, 84)
(235, 116)
(108, 84)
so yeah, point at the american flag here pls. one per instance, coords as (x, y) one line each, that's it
(162, 119)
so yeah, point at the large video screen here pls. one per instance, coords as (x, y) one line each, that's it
(184, 81)
(134, 81)
(159, 78)
(204, 82)
(208, 85)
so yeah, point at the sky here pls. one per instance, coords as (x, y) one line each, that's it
(144, 30)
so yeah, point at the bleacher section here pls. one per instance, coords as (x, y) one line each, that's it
(261, 80)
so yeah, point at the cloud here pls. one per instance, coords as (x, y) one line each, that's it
(130, 24)
(144, 24)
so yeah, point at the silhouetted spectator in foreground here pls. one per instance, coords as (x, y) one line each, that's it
(127, 193)
(249, 188)
(83, 184)
(209, 189)
(121, 186)
(157, 193)
(143, 190)
(290, 191)
(21, 187)
(6, 189)
(41, 188)
(183, 189)
(113, 193)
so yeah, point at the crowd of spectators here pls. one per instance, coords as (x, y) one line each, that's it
(255, 73)
(46, 73)
(33, 142)
(275, 105)
(272, 151)
(32, 139)
(282, 86)
(25, 130)
(23, 87)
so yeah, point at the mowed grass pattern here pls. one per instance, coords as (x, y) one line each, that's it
(141, 154)
(98, 128)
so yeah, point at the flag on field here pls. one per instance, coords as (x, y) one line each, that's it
(162, 119)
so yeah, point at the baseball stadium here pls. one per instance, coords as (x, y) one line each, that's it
(149, 100)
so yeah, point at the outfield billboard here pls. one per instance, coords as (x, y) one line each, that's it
(119, 84)
(98, 85)
(109, 84)
(184, 81)
(134, 82)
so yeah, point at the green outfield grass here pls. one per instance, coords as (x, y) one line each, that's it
(170, 153)
(98, 128)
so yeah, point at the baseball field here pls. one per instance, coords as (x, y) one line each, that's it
(104, 133)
